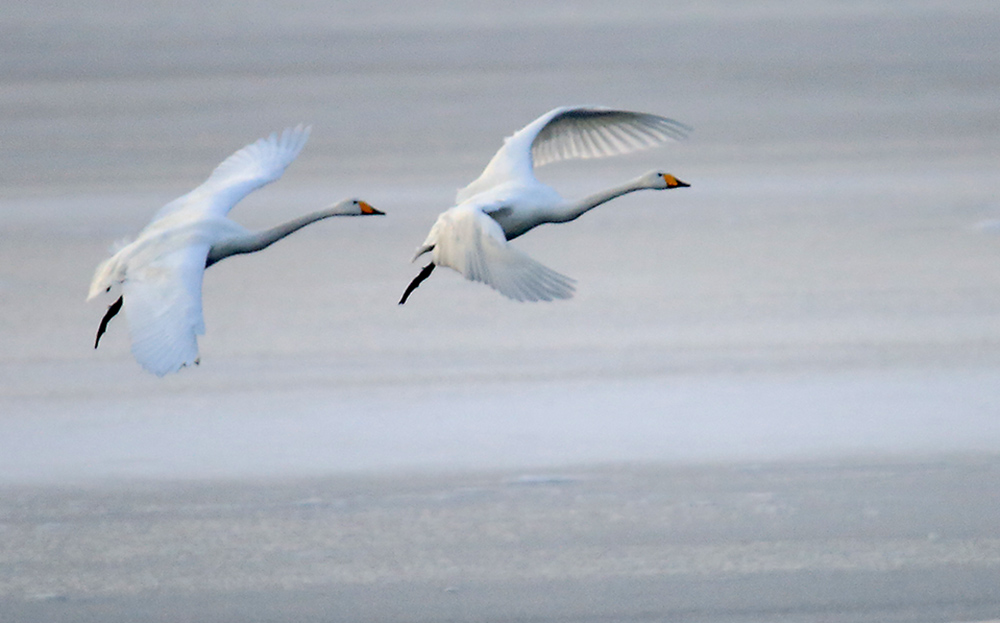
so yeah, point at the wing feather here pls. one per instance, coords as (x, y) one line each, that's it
(164, 311)
(250, 168)
(469, 241)
(598, 132)
(572, 133)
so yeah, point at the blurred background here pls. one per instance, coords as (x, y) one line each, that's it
(826, 290)
(840, 230)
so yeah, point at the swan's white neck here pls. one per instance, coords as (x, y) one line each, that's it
(574, 209)
(256, 241)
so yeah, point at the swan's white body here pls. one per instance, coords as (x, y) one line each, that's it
(161, 271)
(507, 200)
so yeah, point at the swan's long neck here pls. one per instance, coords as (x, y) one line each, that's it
(255, 241)
(573, 209)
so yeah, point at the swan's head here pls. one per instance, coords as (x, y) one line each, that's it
(660, 180)
(355, 207)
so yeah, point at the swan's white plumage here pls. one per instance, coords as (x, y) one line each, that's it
(161, 270)
(162, 302)
(469, 241)
(507, 200)
(250, 168)
(572, 132)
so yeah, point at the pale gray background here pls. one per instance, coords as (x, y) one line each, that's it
(827, 291)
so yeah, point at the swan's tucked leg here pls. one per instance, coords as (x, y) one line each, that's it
(113, 310)
(424, 274)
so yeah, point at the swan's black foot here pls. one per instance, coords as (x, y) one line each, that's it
(113, 310)
(424, 274)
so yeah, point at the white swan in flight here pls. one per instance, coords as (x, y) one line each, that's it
(507, 200)
(160, 272)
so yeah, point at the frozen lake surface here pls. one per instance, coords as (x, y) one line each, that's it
(349, 426)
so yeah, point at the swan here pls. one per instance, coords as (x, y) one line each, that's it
(161, 271)
(507, 200)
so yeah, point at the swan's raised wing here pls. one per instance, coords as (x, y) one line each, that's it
(250, 168)
(573, 132)
(163, 308)
(599, 132)
(467, 240)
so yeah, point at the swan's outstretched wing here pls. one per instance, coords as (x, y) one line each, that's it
(163, 307)
(573, 132)
(467, 240)
(256, 165)
(597, 132)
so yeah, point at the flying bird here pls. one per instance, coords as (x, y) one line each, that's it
(160, 272)
(507, 200)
